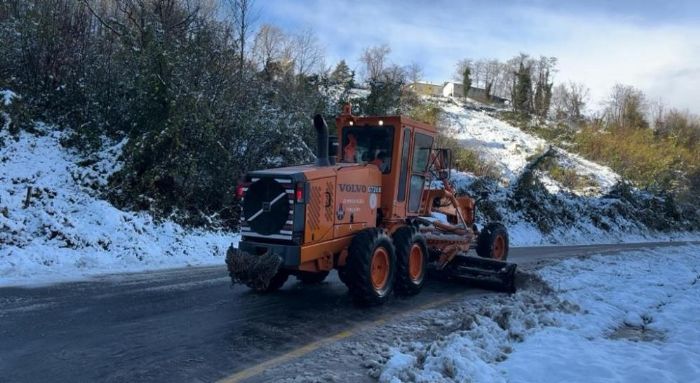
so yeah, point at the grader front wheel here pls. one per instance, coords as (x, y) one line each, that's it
(370, 269)
(493, 242)
(411, 260)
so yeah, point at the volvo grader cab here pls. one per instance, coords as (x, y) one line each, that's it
(377, 206)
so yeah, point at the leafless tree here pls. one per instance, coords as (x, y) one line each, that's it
(375, 59)
(414, 72)
(626, 107)
(306, 52)
(569, 101)
(243, 15)
(460, 67)
(268, 45)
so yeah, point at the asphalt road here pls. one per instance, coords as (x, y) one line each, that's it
(188, 325)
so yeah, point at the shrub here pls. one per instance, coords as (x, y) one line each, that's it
(636, 154)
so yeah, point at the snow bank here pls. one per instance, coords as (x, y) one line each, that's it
(67, 232)
(626, 318)
(510, 148)
(640, 321)
(554, 214)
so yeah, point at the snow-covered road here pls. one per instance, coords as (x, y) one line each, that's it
(632, 317)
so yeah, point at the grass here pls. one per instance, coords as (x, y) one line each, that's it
(638, 155)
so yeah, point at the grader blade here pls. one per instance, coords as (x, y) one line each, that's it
(483, 272)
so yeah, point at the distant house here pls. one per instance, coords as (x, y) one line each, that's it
(479, 94)
(426, 88)
(453, 89)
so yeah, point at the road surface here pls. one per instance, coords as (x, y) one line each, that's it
(188, 325)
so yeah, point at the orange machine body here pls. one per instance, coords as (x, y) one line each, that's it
(380, 179)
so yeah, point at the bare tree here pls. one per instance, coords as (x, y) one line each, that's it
(460, 67)
(657, 113)
(491, 75)
(414, 72)
(243, 16)
(375, 59)
(569, 101)
(626, 107)
(306, 52)
(268, 46)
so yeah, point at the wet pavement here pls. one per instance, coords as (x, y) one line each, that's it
(189, 325)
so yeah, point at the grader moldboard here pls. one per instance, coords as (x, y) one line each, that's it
(381, 211)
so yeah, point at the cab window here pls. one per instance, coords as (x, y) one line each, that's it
(368, 144)
(422, 145)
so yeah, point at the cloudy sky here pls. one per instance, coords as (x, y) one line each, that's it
(653, 45)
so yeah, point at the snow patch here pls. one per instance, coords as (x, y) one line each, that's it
(55, 227)
(7, 96)
(575, 326)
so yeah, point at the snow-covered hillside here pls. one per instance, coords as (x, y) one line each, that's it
(67, 232)
(510, 147)
(626, 318)
(555, 213)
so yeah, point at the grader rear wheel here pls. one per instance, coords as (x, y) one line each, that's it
(370, 269)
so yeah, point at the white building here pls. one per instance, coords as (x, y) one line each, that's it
(453, 89)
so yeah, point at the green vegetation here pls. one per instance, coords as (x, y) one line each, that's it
(557, 133)
(466, 80)
(468, 160)
(567, 177)
(200, 102)
(426, 112)
(640, 155)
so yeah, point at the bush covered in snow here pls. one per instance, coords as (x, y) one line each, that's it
(54, 225)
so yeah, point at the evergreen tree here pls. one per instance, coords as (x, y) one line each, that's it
(342, 75)
(466, 80)
(386, 95)
(543, 95)
(522, 90)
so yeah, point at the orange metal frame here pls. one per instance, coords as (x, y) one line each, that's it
(324, 250)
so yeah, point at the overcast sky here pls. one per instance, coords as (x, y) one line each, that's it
(653, 45)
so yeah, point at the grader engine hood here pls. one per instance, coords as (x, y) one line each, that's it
(308, 204)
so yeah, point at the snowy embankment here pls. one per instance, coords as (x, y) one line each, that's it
(61, 229)
(626, 318)
(559, 215)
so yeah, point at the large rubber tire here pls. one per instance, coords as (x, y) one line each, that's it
(275, 283)
(493, 242)
(309, 278)
(371, 267)
(411, 260)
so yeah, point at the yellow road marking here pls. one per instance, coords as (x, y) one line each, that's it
(309, 347)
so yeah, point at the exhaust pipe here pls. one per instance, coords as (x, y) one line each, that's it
(322, 140)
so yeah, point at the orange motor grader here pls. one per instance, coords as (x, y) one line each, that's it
(379, 209)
